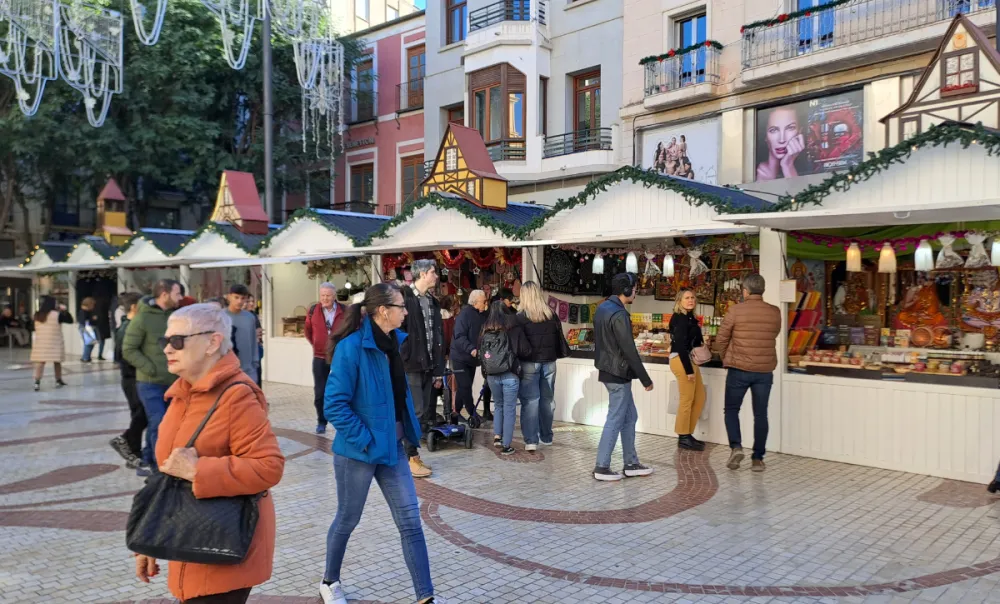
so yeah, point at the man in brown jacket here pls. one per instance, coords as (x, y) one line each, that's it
(746, 343)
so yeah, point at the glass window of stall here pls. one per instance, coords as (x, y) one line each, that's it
(913, 303)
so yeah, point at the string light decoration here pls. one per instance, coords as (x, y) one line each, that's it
(237, 19)
(139, 12)
(90, 55)
(28, 49)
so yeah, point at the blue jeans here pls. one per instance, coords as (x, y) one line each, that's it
(759, 384)
(538, 386)
(622, 417)
(504, 388)
(354, 478)
(88, 349)
(155, 407)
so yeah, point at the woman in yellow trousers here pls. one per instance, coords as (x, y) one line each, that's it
(685, 336)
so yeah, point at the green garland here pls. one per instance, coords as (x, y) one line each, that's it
(680, 52)
(304, 214)
(99, 252)
(941, 134)
(139, 234)
(805, 12)
(211, 226)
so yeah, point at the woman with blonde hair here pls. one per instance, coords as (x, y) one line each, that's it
(685, 337)
(544, 333)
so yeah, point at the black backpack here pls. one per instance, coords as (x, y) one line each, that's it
(495, 353)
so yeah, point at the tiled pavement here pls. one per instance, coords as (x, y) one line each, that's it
(529, 528)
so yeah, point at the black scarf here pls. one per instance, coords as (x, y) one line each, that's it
(387, 343)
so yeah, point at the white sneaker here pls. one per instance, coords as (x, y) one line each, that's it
(530, 447)
(332, 594)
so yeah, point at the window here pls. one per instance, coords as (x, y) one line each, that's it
(391, 13)
(489, 113)
(587, 105)
(365, 102)
(456, 115)
(458, 17)
(816, 29)
(959, 73)
(515, 115)
(692, 31)
(363, 182)
(413, 175)
(470, 188)
(451, 159)
(416, 67)
(909, 127)
(543, 105)
(361, 9)
(499, 108)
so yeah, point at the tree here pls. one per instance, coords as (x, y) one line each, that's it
(183, 117)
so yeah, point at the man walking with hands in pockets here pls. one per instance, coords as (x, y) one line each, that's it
(618, 363)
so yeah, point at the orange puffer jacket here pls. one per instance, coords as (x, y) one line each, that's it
(746, 338)
(238, 454)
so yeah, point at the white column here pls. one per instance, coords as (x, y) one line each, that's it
(267, 318)
(376, 269)
(74, 346)
(772, 254)
(185, 278)
(124, 284)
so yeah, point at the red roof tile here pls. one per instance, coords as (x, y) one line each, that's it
(243, 191)
(477, 157)
(112, 191)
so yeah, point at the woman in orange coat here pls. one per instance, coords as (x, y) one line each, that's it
(236, 454)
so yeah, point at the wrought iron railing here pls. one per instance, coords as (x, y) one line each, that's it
(506, 150)
(507, 10)
(364, 106)
(358, 207)
(595, 139)
(429, 167)
(410, 95)
(836, 27)
(699, 66)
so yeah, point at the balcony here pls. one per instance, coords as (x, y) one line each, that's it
(366, 207)
(364, 107)
(410, 95)
(506, 10)
(506, 150)
(508, 22)
(685, 77)
(581, 141)
(862, 32)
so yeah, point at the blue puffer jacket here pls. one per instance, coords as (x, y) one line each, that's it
(359, 401)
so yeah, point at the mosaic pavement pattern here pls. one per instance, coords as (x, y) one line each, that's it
(525, 528)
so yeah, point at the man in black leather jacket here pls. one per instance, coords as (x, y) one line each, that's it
(618, 363)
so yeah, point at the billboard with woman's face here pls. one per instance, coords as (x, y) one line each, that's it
(810, 137)
(688, 150)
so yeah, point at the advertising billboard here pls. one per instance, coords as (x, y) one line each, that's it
(687, 151)
(810, 137)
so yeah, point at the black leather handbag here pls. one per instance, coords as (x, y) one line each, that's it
(168, 522)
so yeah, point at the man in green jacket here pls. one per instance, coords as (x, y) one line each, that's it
(141, 349)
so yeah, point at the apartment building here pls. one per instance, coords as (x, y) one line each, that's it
(383, 162)
(531, 76)
(352, 16)
(704, 79)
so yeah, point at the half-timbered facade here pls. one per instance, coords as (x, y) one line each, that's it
(463, 167)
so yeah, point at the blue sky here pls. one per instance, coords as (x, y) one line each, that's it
(421, 4)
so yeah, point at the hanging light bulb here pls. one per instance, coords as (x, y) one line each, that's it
(668, 265)
(854, 258)
(631, 263)
(598, 267)
(887, 259)
(348, 286)
(923, 260)
(995, 253)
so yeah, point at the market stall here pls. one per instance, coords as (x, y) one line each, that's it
(663, 229)
(894, 302)
(148, 256)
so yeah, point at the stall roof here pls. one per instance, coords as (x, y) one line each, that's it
(517, 214)
(255, 261)
(167, 241)
(354, 225)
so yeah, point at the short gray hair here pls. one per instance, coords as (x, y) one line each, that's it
(476, 295)
(419, 267)
(754, 284)
(329, 286)
(208, 317)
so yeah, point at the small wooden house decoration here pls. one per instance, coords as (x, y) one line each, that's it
(463, 167)
(961, 83)
(238, 203)
(111, 217)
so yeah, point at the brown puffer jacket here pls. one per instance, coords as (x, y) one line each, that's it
(746, 338)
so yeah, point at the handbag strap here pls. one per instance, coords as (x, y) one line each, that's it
(208, 416)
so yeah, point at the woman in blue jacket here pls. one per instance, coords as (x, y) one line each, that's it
(369, 404)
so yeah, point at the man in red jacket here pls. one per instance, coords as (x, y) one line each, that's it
(323, 318)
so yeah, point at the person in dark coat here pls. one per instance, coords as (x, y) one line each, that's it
(464, 353)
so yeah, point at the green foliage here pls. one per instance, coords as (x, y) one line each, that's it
(681, 51)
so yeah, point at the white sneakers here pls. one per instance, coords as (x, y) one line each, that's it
(332, 594)
(530, 447)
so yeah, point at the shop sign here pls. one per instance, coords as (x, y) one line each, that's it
(364, 142)
(688, 150)
(810, 137)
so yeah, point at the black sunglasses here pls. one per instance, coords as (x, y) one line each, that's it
(177, 342)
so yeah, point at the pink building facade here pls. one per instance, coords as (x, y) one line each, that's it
(383, 163)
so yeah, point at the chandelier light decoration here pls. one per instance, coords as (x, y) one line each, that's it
(237, 19)
(140, 10)
(302, 22)
(28, 47)
(323, 104)
(90, 55)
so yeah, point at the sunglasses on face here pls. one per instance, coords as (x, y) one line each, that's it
(396, 305)
(177, 342)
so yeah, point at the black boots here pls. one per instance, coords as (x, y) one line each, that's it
(994, 486)
(686, 441)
